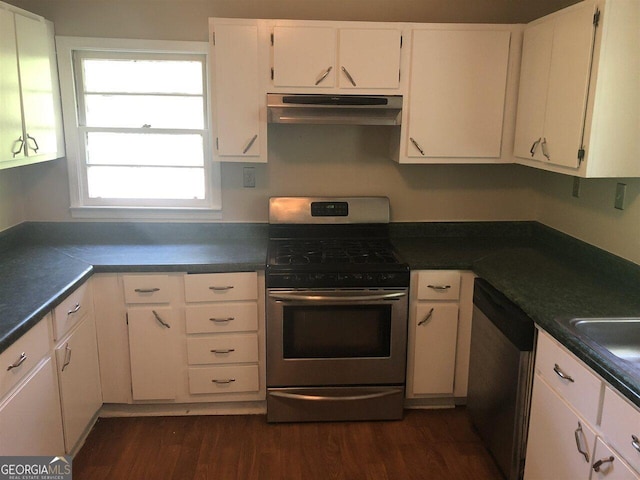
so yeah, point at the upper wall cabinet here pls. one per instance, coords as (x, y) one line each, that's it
(30, 118)
(579, 98)
(325, 57)
(456, 95)
(240, 129)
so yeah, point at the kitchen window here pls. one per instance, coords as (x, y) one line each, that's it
(137, 127)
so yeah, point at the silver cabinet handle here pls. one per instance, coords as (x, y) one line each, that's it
(67, 357)
(532, 151)
(579, 433)
(159, 319)
(250, 144)
(596, 466)
(349, 77)
(427, 318)
(223, 381)
(545, 151)
(347, 398)
(75, 309)
(439, 288)
(16, 151)
(37, 147)
(415, 144)
(324, 75)
(561, 374)
(635, 443)
(221, 289)
(17, 363)
(222, 320)
(146, 290)
(328, 298)
(223, 351)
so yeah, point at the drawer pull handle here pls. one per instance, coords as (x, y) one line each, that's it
(221, 289)
(635, 443)
(223, 381)
(598, 464)
(146, 290)
(159, 319)
(67, 357)
(75, 309)
(579, 433)
(427, 318)
(439, 288)
(223, 351)
(17, 363)
(222, 320)
(561, 374)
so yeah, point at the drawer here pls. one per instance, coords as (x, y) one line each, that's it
(233, 379)
(438, 285)
(72, 309)
(580, 387)
(221, 287)
(620, 423)
(222, 349)
(146, 288)
(612, 467)
(34, 345)
(222, 317)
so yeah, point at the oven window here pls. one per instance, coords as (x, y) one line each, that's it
(337, 331)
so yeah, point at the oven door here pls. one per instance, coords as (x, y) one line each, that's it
(336, 337)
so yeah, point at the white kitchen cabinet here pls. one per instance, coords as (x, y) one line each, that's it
(30, 116)
(579, 100)
(456, 95)
(322, 57)
(79, 380)
(621, 426)
(560, 443)
(439, 336)
(607, 464)
(239, 107)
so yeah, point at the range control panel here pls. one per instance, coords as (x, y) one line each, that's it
(329, 209)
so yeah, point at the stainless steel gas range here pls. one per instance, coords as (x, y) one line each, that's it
(337, 299)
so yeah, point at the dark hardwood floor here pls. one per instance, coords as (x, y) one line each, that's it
(427, 444)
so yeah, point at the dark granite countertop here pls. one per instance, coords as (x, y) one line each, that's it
(548, 274)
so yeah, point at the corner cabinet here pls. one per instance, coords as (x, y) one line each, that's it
(30, 114)
(239, 103)
(457, 91)
(579, 97)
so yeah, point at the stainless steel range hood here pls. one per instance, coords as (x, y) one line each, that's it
(335, 109)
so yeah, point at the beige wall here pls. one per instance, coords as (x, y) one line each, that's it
(12, 210)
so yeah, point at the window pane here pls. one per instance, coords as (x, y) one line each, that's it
(134, 111)
(142, 76)
(144, 149)
(146, 183)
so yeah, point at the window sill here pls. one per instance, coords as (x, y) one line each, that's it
(140, 213)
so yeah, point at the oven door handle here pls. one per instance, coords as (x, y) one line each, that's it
(345, 297)
(330, 398)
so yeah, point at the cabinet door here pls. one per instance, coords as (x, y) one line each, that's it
(436, 329)
(79, 379)
(153, 347)
(457, 92)
(30, 422)
(237, 93)
(568, 84)
(11, 138)
(609, 465)
(304, 56)
(37, 87)
(532, 95)
(557, 436)
(369, 57)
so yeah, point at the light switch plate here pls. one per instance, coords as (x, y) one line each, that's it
(249, 177)
(621, 191)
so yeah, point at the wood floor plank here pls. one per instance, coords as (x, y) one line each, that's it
(426, 444)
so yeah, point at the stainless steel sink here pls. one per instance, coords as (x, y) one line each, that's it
(618, 336)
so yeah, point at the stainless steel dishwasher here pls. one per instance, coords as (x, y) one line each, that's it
(500, 376)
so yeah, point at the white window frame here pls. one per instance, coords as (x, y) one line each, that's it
(81, 205)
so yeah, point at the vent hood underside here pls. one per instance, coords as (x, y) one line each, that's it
(334, 109)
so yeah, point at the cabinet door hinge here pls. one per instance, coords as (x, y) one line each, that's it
(217, 147)
(126, 317)
(213, 38)
(399, 73)
(596, 18)
(400, 41)
(272, 73)
(580, 155)
(272, 39)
